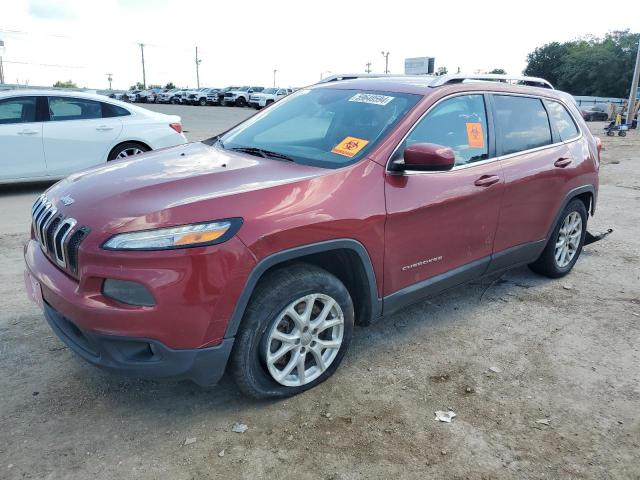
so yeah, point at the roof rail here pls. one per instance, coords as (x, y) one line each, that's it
(354, 76)
(491, 77)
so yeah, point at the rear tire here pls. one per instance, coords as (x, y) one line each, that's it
(203, 102)
(565, 244)
(306, 307)
(127, 149)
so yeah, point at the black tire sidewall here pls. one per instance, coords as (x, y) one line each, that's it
(124, 146)
(248, 356)
(547, 265)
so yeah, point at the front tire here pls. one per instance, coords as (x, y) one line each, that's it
(565, 244)
(241, 102)
(294, 334)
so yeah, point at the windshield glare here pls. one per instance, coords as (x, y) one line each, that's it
(324, 127)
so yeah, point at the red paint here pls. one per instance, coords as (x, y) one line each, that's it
(447, 219)
(427, 156)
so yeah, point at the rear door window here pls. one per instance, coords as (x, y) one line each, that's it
(522, 123)
(69, 108)
(459, 123)
(562, 120)
(18, 110)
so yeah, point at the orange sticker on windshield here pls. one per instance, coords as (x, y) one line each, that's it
(350, 146)
(475, 137)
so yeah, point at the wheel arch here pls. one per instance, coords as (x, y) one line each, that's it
(347, 259)
(585, 193)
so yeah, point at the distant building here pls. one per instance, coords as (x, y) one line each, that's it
(419, 66)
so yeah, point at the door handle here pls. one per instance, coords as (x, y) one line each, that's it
(562, 162)
(28, 132)
(104, 128)
(486, 180)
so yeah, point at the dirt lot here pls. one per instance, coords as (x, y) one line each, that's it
(565, 352)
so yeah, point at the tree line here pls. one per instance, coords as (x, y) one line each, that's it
(600, 67)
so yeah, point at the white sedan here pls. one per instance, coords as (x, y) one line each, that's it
(47, 135)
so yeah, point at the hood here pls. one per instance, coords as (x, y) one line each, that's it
(185, 184)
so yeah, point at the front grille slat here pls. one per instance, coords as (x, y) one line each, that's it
(46, 222)
(58, 236)
(72, 247)
(48, 241)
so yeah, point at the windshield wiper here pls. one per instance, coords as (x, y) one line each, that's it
(260, 152)
(214, 141)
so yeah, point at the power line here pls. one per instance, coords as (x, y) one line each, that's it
(54, 65)
(84, 39)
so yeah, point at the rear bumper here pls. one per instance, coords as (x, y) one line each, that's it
(139, 357)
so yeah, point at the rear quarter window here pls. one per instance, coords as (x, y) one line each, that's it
(562, 120)
(522, 123)
(109, 110)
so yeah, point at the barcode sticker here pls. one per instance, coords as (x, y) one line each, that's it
(371, 98)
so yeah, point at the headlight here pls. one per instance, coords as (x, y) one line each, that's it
(184, 236)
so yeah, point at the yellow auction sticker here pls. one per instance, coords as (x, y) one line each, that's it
(350, 146)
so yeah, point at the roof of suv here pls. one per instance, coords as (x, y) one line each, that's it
(424, 85)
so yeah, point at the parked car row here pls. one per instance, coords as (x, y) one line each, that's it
(257, 97)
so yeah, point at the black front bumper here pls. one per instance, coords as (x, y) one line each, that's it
(139, 357)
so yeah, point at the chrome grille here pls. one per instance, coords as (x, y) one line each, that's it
(54, 231)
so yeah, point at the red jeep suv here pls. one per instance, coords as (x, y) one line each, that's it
(258, 250)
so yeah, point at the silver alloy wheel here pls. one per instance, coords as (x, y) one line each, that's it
(304, 340)
(129, 152)
(568, 240)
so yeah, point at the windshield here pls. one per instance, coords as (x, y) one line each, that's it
(324, 127)
(270, 90)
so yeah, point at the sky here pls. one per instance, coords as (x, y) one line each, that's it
(244, 42)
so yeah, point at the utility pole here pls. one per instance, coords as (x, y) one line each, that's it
(2, 49)
(368, 69)
(144, 74)
(198, 62)
(634, 89)
(109, 78)
(386, 61)
(274, 77)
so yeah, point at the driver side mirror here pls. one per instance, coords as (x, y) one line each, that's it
(427, 157)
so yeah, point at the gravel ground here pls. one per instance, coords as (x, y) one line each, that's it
(543, 376)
